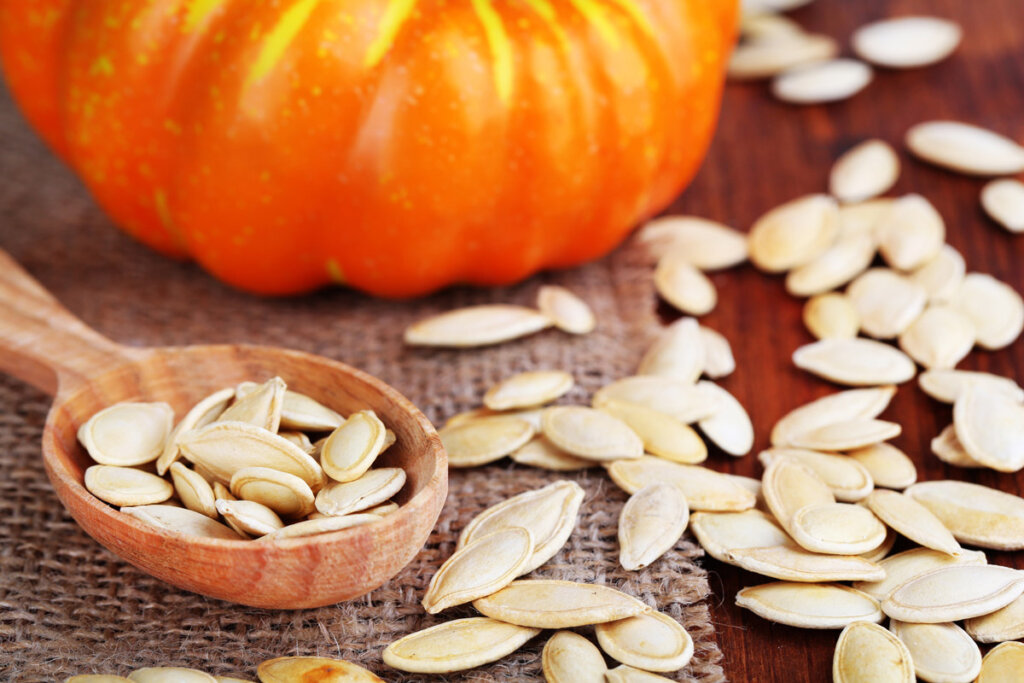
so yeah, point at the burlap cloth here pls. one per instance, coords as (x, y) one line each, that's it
(69, 606)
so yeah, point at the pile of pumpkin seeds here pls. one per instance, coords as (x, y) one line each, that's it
(254, 465)
(280, 670)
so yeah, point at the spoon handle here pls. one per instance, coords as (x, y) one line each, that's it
(41, 343)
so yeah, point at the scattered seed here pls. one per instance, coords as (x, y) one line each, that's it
(476, 326)
(707, 245)
(662, 435)
(886, 302)
(848, 480)
(838, 407)
(855, 362)
(888, 466)
(965, 148)
(847, 435)
(127, 434)
(976, 514)
(994, 307)
(589, 433)
(684, 401)
(371, 489)
(1003, 201)
(540, 452)
(543, 603)
(763, 59)
(948, 385)
(703, 489)
(677, 353)
(940, 337)
(1006, 623)
(718, 358)
(528, 389)
(836, 266)
(1002, 664)
(911, 233)
(868, 653)
(906, 42)
(456, 645)
(821, 82)
(651, 523)
(940, 652)
(831, 316)
(484, 440)
(913, 520)
(126, 485)
(729, 426)
(864, 171)
(794, 233)
(651, 641)
(292, 669)
(902, 567)
(803, 605)
(941, 276)
(566, 311)
(683, 286)
(954, 593)
(480, 568)
(570, 658)
(990, 428)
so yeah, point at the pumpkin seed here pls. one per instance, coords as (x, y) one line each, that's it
(1006, 623)
(948, 385)
(678, 352)
(284, 493)
(627, 674)
(259, 405)
(965, 148)
(374, 487)
(855, 362)
(954, 593)
(947, 448)
(484, 440)
(793, 563)
(662, 435)
(528, 389)
(906, 42)
(990, 427)
(223, 448)
(304, 413)
(652, 641)
(476, 326)
(768, 25)
(651, 523)
(321, 669)
(788, 487)
(126, 485)
(1002, 664)
(1003, 201)
(97, 678)
(707, 245)
(834, 267)
(543, 603)
(570, 658)
(888, 466)
(867, 653)
(300, 440)
(540, 452)
(548, 513)
(794, 233)
(127, 434)
(169, 674)
(194, 491)
(836, 529)
(847, 435)
(249, 517)
(862, 218)
(480, 568)
(729, 426)
(456, 645)
(321, 525)
(201, 414)
(703, 489)
(941, 275)
(864, 171)
(819, 82)
(910, 564)
(977, 515)
(913, 520)
(940, 337)
(566, 311)
(941, 653)
(720, 533)
(831, 316)
(818, 606)
(994, 307)
(353, 447)
(531, 415)
(589, 433)
(847, 478)
(718, 358)
(762, 59)
(181, 521)
(683, 401)
(838, 407)
(886, 302)
(880, 553)
(683, 286)
(911, 233)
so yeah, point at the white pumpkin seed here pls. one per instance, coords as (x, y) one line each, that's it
(201, 414)
(720, 533)
(651, 522)
(902, 567)
(882, 551)
(476, 326)
(678, 352)
(788, 487)
(941, 275)
(484, 440)
(847, 478)
(888, 466)
(995, 308)
(1002, 664)
(540, 452)
(763, 59)
(169, 674)
(977, 515)
(864, 171)
(126, 485)
(793, 563)
(301, 412)
(662, 435)
(942, 653)
(820, 82)
(324, 669)
(911, 233)
(259, 405)
(528, 389)
(886, 302)
(97, 678)
(686, 402)
(706, 244)
(855, 362)
(847, 435)
(831, 316)
(480, 568)
(940, 337)
(285, 494)
(947, 448)
(703, 489)
(589, 433)
(868, 653)
(756, 26)
(862, 218)
(683, 286)
(948, 385)
(353, 447)
(836, 529)
(954, 593)
(456, 645)
(1003, 201)
(838, 407)
(543, 603)
(834, 267)
(913, 520)
(566, 311)
(193, 490)
(718, 358)
(651, 641)
(373, 488)
(965, 148)
(729, 426)
(817, 606)
(127, 434)
(321, 525)
(1006, 623)
(180, 521)
(627, 674)
(300, 440)
(794, 233)
(906, 42)
(990, 427)
(570, 658)
(249, 517)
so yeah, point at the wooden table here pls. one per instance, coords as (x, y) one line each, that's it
(767, 152)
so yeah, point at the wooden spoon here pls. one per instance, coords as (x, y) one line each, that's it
(44, 345)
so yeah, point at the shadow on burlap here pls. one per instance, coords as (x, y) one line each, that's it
(69, 606)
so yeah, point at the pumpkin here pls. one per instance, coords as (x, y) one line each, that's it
(396, 146)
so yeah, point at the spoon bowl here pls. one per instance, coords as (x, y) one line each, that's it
(43, 344)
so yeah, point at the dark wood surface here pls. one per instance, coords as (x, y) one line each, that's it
(767, 152)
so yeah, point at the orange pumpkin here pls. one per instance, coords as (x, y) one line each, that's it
(396, 146)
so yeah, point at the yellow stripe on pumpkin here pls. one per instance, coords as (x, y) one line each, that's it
(279, 37)
(197, 12)
(547, 13)
(501, 47)
(597, 15)
(394, 18)
(632, 9)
